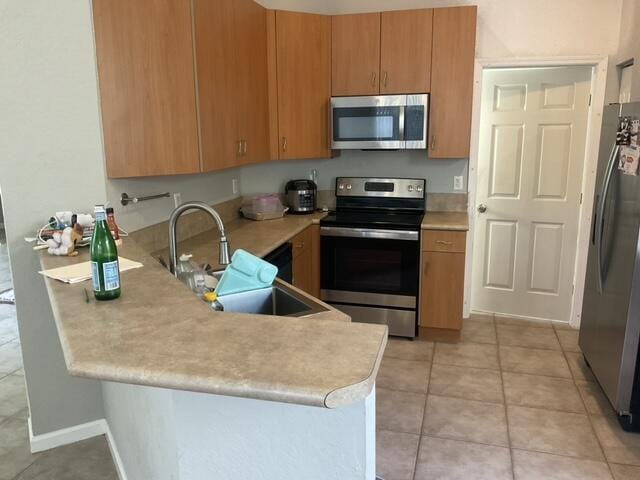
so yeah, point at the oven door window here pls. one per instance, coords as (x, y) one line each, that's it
(370, 265)
(366, 124)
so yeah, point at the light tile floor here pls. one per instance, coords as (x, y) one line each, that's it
(510, 400)
(87, 460)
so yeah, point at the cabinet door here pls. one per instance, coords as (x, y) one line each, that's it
(315, 260)
(306, 267)
(147, 89)
(303, 45)
(442, 290)
(405, 58)
(252, 84)
(217, 66)
(355, 54)
(454, 38)
(302, 274)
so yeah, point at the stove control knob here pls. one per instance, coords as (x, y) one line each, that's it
(419, 188)
(410, 188)
(348, 186)
(341, 186)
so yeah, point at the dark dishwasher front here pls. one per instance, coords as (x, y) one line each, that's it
(282, 257)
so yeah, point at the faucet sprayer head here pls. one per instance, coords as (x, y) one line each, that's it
(225, 257)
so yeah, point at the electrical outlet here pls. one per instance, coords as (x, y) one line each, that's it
(458, 182)
(234, 186)
(177, 199)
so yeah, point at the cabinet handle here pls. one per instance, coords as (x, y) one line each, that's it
(444, 242)
(244, 147)
(239, 147)
(373, 79)
(298, 245)
(384, 78)
(432, 145)
(284, 144)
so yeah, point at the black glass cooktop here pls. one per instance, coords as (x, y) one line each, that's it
(382, 219)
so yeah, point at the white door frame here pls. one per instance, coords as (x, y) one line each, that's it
(598, 87)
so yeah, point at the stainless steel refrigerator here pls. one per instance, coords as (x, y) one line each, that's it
(610, 325)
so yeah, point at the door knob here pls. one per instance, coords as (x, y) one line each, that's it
(482, 208)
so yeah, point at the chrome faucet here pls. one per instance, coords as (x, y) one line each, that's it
(223, 259)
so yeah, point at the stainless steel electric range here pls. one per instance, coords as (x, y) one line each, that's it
(370, 250)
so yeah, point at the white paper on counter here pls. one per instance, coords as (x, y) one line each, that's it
(79, 272)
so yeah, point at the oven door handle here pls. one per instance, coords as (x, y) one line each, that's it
(369, 233)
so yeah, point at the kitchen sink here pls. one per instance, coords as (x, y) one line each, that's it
(277, 299)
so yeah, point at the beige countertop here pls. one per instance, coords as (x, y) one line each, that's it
(259, 238)
(159, 334)
(446, 221)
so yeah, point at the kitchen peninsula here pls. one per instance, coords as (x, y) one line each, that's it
(190, 393)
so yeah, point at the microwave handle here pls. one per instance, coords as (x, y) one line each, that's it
(401, 123)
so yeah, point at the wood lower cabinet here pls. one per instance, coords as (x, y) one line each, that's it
(442, 283)
(147, 87)
(306, 260)
(405, 51)
(303, 71)
(355, 54)
(454, 39)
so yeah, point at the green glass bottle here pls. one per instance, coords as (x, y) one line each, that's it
(104, 259)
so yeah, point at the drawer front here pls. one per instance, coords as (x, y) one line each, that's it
(443, 241)
(302, 242)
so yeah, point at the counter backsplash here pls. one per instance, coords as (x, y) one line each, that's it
(436, 202)
(156, 237)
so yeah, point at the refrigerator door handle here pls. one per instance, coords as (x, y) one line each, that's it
(604, 193)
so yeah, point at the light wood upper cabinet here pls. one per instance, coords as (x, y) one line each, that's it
(405, 53)
(217, 87)
(355, 54)
(202, 85)
(303, 57)
(231, 67)
(147, 87)
(253, 99)
(454, 36)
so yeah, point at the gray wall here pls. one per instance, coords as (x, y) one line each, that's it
(271, 176)
(50, 159)
(210, 187)
(629, 48)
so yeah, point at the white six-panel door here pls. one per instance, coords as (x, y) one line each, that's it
(533, 127)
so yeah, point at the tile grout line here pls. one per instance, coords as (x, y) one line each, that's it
(446, 396)
(589, 419)
(424, 411)
(504, 399)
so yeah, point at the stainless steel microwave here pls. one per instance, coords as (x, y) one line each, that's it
(379, 122)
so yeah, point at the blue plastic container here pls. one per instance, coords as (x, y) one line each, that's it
(246, 272)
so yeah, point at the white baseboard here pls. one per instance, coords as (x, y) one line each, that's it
(77, 433)
(117, 459)
(65, 436)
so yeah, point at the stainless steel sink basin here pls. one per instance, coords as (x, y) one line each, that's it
(278, 299)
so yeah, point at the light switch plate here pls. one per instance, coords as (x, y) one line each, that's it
(234, 186)
(458, 182)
